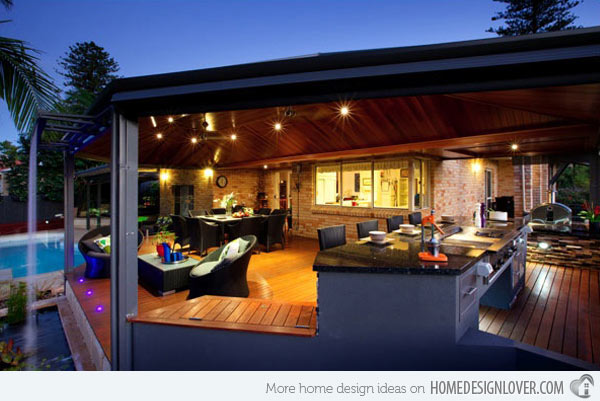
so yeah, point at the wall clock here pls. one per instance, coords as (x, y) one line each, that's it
(221, 181)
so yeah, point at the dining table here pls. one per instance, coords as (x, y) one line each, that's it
(222, 220)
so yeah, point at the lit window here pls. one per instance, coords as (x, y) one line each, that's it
(391, 184)
(327, 185)
(421, 184)
(357, 186)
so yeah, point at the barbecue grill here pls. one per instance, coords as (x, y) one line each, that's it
(551, 217)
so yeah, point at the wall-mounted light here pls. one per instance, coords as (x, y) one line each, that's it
(164, 176)
(153, 121)
(159, 135)
(208, 172)
(476, 166)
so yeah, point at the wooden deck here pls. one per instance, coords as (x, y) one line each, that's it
(241, 314)
(282, 275)
(559, 308)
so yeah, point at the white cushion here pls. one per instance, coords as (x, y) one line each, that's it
(203, 269)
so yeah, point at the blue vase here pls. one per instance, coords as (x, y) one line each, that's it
(166, 252)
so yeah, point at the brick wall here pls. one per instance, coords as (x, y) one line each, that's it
(202, 188)
(457, 187)
(506, 178)
(244, 183)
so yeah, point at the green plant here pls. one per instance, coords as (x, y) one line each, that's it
(17, 303)
(163, 223)
(11, 358)
(590, 212)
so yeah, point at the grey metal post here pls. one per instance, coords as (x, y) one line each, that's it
(88, 201)
(595, 178)
(69, 210)
(123, 266)
(99, 203)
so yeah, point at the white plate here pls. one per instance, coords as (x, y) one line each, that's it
(385, 241)
(409, 233)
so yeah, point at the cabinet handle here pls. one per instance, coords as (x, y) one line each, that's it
(471, 291)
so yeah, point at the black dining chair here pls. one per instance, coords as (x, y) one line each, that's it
(364, 227)
(210, 236)
(279, 211)
(246, 226)
(330, 237)
(265, 211)
(415, 218)
(218, 210)
(273, 231)
(393, 223)
(182, 236)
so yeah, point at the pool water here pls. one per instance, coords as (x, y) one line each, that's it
(51, 348)
(50, 255)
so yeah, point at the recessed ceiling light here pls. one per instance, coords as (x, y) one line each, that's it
(170, 119)
(159, 135)
(233, 137)
(265, 166)
(344, 110)
(277, 126)
(543, 245)
(194, 140)
(153, 121)
(514, 146)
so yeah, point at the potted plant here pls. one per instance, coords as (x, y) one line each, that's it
(592, 214)
(228, 202)
(163, 235)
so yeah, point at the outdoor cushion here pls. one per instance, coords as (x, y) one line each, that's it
(91, 245)
(203, 268)
(243, 245)
(103, 243)
(230, 251)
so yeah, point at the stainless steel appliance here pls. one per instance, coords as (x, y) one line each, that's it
(551, 217)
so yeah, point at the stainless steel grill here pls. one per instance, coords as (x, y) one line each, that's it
(551, 217)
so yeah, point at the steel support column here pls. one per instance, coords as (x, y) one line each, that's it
(123, 266)
(99, 203)
(88, 201)
(595, 178)
(69, 209)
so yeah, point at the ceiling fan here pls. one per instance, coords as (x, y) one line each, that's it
(202, 132)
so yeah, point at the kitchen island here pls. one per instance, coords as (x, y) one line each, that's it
(384, 291)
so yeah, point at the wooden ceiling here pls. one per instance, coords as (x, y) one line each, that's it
(484, 124)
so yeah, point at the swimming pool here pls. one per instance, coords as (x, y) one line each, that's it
(50, 253)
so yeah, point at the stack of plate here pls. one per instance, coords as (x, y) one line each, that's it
(407, 229)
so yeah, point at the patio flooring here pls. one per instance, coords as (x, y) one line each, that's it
(558, 310)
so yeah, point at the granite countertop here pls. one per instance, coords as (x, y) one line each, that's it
(401, 255)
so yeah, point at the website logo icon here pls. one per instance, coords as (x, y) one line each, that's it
(581, 387)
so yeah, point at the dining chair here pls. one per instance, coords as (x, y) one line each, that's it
(393, 223)
(265, 211)
(218, 210)
(364, 227)
(415, 218)
(332, 236)
(273, 231)
(210, 236)
(182, 236)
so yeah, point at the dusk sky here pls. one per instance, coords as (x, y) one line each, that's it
(148, 37)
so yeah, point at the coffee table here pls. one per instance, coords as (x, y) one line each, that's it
(164, 278)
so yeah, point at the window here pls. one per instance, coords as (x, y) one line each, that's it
(356, 184)
(401, 184)
(327, 185)
(183, 198)
(391, 184)
(489, 185)
(420, 184)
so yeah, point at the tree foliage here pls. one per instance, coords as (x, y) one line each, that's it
(87, 69)
(523, 17)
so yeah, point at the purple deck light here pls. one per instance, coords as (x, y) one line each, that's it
(80, 280)
(89, 293)
(99, 308)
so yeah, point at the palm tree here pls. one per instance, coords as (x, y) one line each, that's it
(24, 86)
